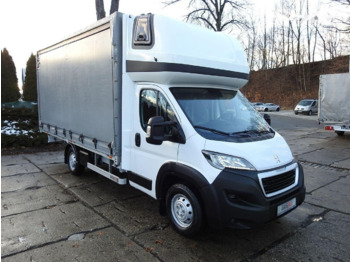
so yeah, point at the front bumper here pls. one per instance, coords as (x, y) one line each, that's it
(241, 202)
(301, 111)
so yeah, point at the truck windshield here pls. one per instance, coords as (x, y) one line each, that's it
(221, 114)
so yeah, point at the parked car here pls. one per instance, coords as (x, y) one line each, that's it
(268, 107)
(256, 104)
(307, 107)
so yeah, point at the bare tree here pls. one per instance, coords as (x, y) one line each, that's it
(342, 24)
(343, 2)
(215, 14)
(100, 9)
(114, 6)
(252, 42)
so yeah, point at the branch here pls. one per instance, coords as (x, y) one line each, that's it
(167, 3)
(209, 9)
(206, 21)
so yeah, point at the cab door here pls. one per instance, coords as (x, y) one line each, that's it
(149, 158)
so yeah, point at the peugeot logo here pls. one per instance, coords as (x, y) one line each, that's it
(277, 158)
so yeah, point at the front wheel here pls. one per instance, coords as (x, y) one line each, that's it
(184, 210)
(310, 113)
(74, 166)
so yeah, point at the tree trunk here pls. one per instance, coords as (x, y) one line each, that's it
(100, 9)
(114, 6)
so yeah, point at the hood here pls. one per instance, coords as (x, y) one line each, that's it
(303, 107)
(263, 155)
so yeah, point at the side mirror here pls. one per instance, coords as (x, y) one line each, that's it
(159, 130)
(267, 118)
(155, 130)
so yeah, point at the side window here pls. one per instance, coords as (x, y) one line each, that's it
(164, 109)
(153, 103)
(148, 106)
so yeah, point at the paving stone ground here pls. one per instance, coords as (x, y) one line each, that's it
(49, 215)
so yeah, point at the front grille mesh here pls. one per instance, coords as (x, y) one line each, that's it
(279, 182)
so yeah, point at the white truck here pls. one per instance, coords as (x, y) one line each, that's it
(153, 102)
(334, 102)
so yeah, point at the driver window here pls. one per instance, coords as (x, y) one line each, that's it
(153, 103)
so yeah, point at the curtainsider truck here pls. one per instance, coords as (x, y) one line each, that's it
(155, 103)
(334, 102)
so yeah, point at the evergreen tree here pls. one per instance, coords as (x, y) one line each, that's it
(9, 81)
(29, 85)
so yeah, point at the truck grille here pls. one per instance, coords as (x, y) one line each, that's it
(276, 184)
(279, 182)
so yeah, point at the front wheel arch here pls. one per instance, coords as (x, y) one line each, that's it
(177, 173)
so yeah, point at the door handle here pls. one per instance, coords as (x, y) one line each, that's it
(138, 139)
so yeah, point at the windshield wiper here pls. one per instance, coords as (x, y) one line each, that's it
(251, 132)
(212, 130)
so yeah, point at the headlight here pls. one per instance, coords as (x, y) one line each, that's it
(222, 161)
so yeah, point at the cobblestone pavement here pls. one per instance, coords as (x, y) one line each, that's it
(49, 215)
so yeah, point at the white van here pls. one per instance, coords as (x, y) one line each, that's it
(307, 107)
(155, 103)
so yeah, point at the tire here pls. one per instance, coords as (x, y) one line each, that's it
(73, 165)
(295, 112)
(184, 210)
(309, 113)
(278, 109)
(266, 110)
(340, 133)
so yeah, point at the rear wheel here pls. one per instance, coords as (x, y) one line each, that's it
(339, 133)
(74, 166)
(184, 210)
(278, 109)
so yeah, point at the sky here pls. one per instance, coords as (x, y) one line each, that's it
(27, 26)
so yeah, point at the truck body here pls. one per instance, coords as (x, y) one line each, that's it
(153, 102)
(334, 106)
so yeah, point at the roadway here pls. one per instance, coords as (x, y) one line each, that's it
(286, 119)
